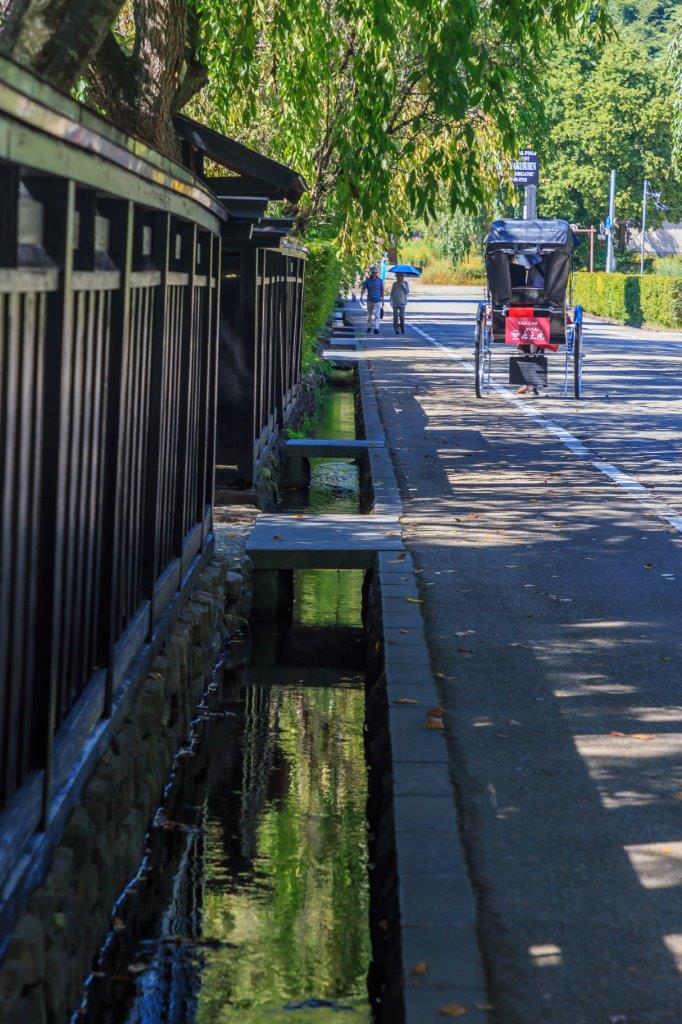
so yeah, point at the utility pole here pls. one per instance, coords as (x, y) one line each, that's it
(648, 193)
(530, 202)
(610, 261)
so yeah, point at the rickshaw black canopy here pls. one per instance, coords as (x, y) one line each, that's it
(549, 241)
(525, 235)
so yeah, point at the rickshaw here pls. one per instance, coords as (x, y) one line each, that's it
(529, 266)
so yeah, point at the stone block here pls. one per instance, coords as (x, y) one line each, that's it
(60, 876)
(80, 835)
(87, 885)
(29, 1010)
(58, 967)
(27, 950)
(423, 1006)
(152, 707)
(234, 585)
(436, 900)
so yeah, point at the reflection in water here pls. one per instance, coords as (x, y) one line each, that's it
(286, 863)
(334, 483)
(267, 915)
(328, 597)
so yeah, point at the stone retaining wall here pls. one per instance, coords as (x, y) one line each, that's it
(68, 915)
(272, 470)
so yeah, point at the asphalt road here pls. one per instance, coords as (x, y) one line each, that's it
(547, 539)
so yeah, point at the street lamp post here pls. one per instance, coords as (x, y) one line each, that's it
(648, 193)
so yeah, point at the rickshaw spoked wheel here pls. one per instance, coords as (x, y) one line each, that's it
(482, 356)
(578, 360)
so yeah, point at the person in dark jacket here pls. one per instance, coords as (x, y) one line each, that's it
(398, 297)
(374, 287)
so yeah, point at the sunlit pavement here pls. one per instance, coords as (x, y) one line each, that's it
(553, 607)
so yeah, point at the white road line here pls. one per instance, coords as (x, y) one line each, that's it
(607, 469)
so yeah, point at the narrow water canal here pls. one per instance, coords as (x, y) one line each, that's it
(254, 906)
(334, 483)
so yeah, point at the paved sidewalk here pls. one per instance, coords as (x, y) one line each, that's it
(553, 609)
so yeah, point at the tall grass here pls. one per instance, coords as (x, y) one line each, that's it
(438, 269)
(671, 266)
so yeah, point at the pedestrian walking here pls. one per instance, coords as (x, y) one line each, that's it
(398, 300)
(374, 287)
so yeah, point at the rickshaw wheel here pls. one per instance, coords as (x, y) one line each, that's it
(481, 362)
(578, 361)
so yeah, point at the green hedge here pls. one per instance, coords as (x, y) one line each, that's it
(660, 300)
(322, 282)
(632, 299)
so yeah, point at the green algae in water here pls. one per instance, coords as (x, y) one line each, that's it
(337, 416)
(297, 913)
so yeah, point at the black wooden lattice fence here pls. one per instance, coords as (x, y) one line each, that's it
(109, 291)
(260, 352)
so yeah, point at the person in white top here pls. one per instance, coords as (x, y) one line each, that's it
(398, 299)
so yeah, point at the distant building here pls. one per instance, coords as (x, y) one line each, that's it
(665, 240)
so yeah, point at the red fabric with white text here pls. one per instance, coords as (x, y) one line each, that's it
(523, 328)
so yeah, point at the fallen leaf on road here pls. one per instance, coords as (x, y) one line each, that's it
(452, 1010)
(648, 565)
(434, 723)
(440, 675)
(414, 600)
(436, 712)
(419, 970)
(643, 736)
(405, 700)
(678, 795)
(615, 732)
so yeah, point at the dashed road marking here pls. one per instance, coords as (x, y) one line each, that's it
(623, 480)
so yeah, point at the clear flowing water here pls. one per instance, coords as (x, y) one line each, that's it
(266, 916)
(334, 483)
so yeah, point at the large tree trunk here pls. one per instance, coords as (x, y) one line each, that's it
(56, 38)
(140, 90)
